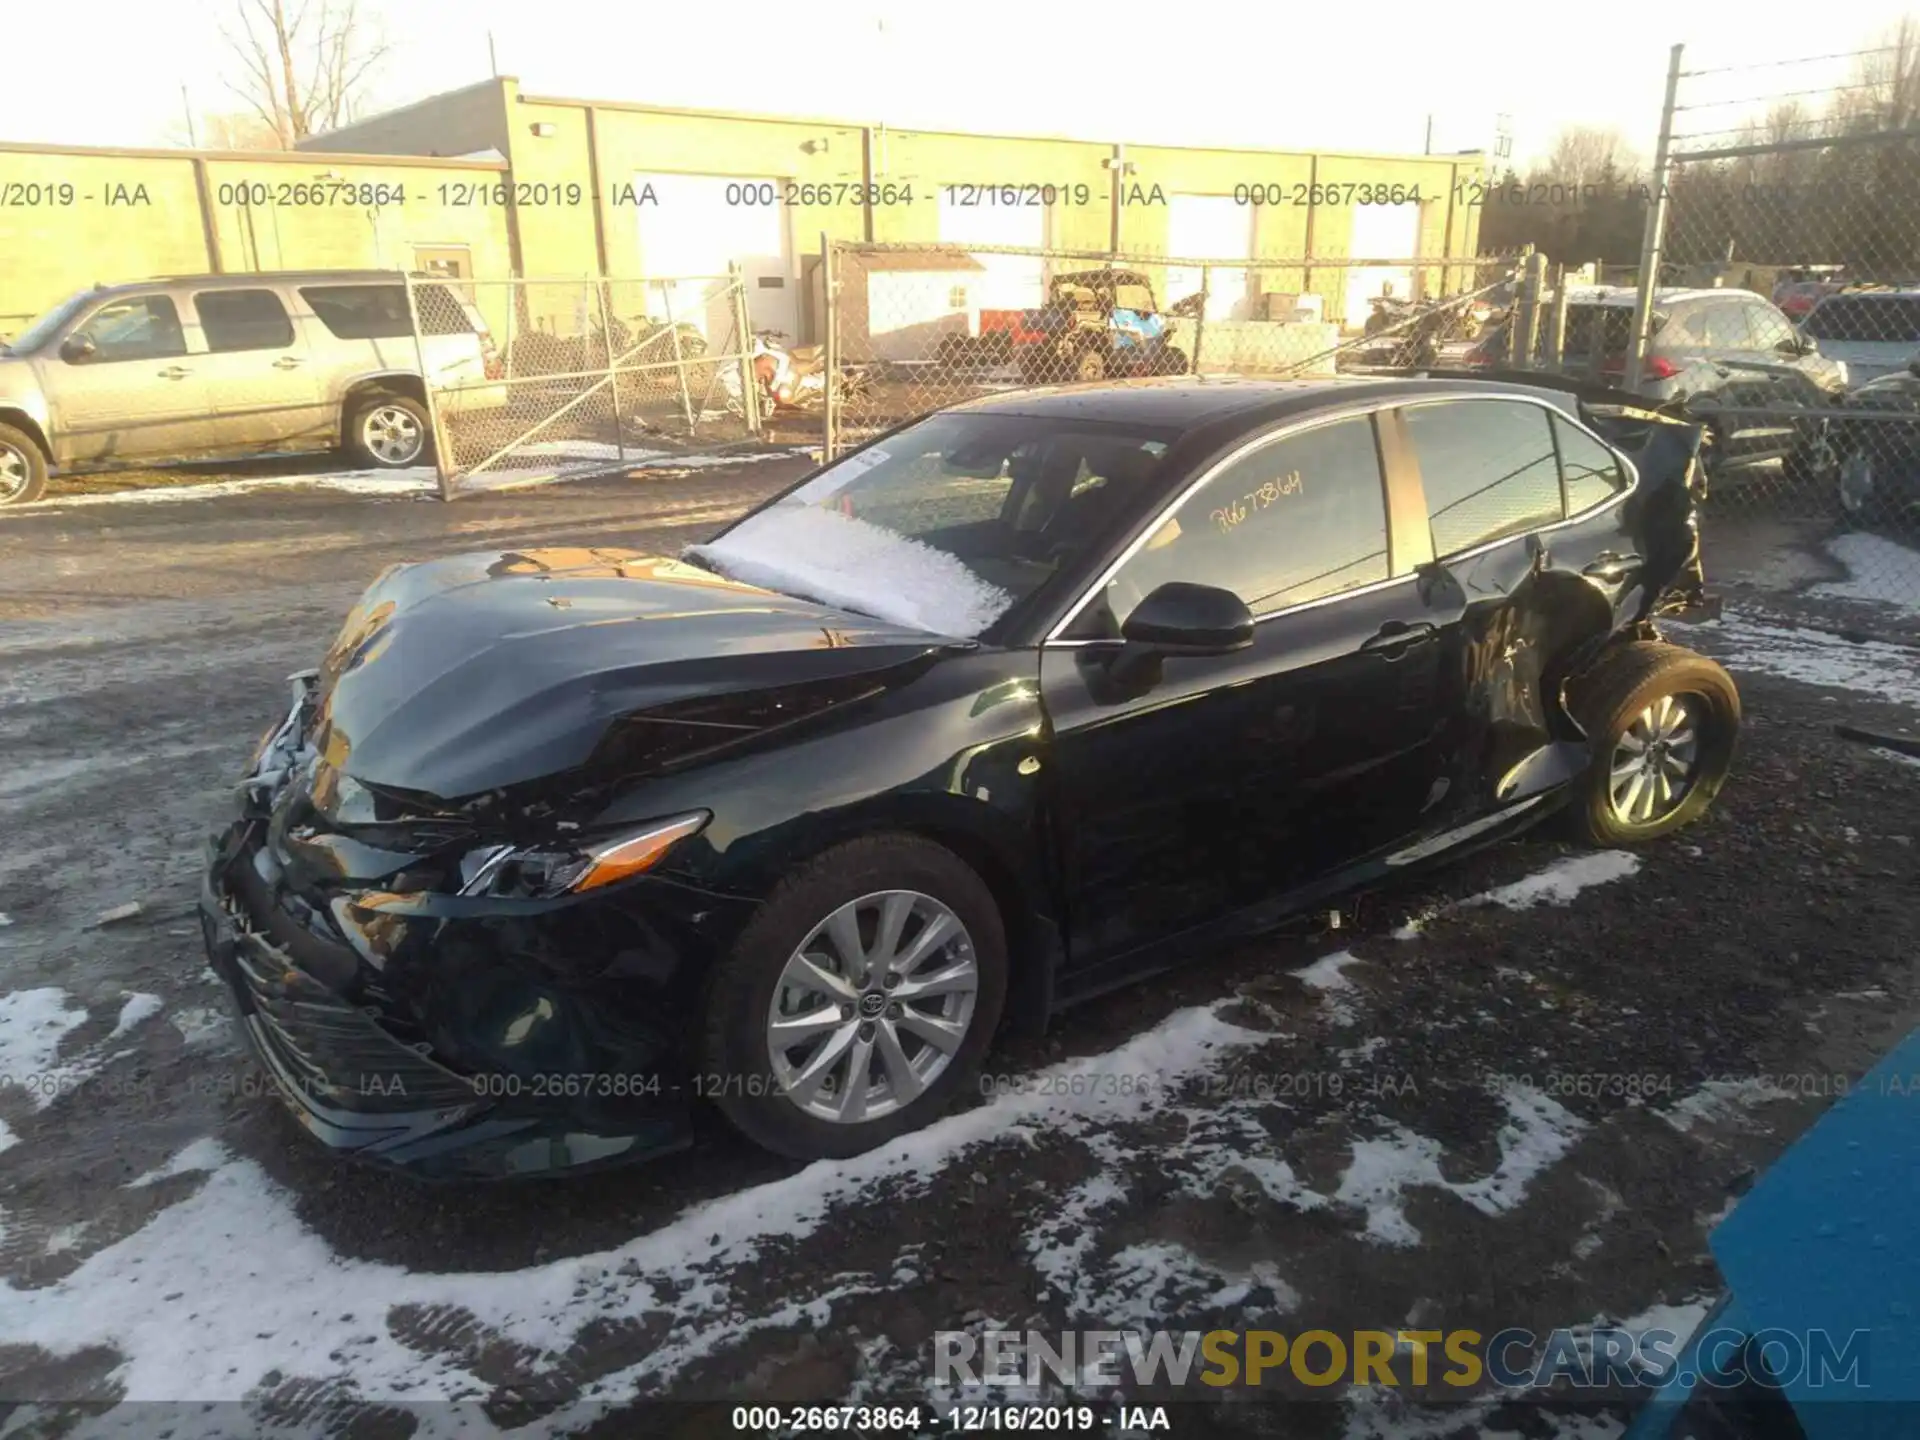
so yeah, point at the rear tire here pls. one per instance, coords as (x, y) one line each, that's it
(1663, 722)
(739, 1065)
(389, 432)
(23, 468)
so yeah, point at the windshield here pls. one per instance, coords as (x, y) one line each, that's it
(47, 325)
(1894, 319)
(948, 524)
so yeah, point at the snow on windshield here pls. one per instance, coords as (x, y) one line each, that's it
(840, 560)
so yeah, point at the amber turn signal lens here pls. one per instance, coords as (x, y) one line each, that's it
(635, 854)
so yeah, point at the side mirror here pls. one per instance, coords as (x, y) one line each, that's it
(78, 349)
(1180, 618)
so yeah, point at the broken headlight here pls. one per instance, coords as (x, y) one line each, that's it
(546, 872)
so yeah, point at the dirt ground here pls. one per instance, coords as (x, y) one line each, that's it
(1488, 1100)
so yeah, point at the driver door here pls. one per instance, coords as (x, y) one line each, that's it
(138, 396)
(1207, 797)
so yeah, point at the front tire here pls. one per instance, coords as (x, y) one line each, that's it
(859, 1001)
(1663, 722)
(390, 432)
(23, 469)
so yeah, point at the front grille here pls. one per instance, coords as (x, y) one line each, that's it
(332, 1053)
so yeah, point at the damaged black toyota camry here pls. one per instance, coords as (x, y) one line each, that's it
(1022, 700)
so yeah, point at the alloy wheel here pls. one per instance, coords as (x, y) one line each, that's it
(15, 474)
(392, 435)
(1655, 761)
(871, 1008)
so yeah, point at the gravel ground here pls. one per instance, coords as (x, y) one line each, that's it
(1514, 1095)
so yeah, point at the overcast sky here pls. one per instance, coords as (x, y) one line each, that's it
(1337, 74)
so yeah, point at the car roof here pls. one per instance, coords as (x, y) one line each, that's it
(254, 278)
(1666, 295)
(1189, 402)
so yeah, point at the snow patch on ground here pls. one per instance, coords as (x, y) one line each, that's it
(201, 1026)
(1328, 976)
(1878, 571)
(1560, 882)
(1816, 657)
(32, 1025)
(1720, 1101)
(1879, 750)
(413, 480)
(137, 1008)
(227, 1285)
(1537, 1133)
(842, 560)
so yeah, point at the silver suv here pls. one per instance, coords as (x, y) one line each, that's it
(217, 366)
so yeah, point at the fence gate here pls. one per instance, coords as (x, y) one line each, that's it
(910, 328)
(1797, 184)
(530, 379)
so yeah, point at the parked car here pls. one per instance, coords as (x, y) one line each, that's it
(1797, 297)
(216, 366)
(1871, 332)
(1724, 358)
(1096, 324)
(1878, 455)
(1022, 700)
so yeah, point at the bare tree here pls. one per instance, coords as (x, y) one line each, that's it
(229, 130)
(304, 63)
(1582, 154)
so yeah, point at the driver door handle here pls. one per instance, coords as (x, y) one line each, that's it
(288, 362)
(1613, 567)
(175, 372)
(1397, 637)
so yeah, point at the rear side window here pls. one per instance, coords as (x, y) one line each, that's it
(243, 320)
(1589, 471)
(379, 312)
(1489, 470)
(1300, 519)
(1613, 323)
(1726, 327)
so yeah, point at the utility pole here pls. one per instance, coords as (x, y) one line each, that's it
(1429, 149)
(493, 60)
(193, 139)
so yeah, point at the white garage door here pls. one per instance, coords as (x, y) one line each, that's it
(1007, 282)
(1381, 232)
(699, 224)
(1208, 227)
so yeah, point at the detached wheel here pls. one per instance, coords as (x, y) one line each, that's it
(857, 1004)
(1663, 722)
(1171, 361)
(23, 469)
(390, 432)
(1090, 365)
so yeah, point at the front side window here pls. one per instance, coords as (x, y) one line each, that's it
(1488, 468)
(243, 320)
(947, 525)
(143, 327)
(1727, 327)
(1769, 328)
(46, 325)
(1300, 519)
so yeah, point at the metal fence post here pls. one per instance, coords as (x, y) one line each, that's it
(1200, 320)
(1525, 331)
(830, 303)
(743, 330)
(1557, 321)
(679, 363)
(1654, 235)
(442, 458)
(613, 374)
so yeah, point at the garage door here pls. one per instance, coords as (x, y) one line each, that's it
(1007, 282)
(1208, 227)
(1381, 232)
(699, 225)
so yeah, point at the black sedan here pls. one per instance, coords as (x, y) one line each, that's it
(1024, 699)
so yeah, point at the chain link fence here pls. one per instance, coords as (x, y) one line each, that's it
(570, 377)
(1779, 304)
(914, 327)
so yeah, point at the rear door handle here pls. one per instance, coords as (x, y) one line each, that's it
(288, 362)
(1396, 637)
(174, 372)
(1613, 567)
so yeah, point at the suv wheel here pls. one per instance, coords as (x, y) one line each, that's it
(1662, 721)
(857, 1003)
(390, 432)
(23, 469)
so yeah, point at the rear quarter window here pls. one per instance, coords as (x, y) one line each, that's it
(1590, 473)
(379, 312)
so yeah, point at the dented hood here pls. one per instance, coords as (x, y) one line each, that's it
(467, 674)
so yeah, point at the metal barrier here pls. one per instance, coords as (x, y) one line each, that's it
(1778, 302)
(913, 327)
(571, 377)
